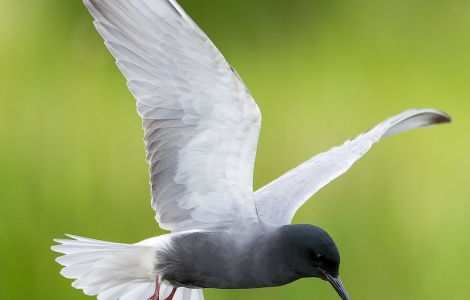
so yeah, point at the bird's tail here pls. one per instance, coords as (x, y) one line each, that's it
(113, 270)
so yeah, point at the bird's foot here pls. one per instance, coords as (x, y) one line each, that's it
(170, 297)
(156, 295)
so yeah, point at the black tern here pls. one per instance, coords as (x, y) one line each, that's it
(201, 130)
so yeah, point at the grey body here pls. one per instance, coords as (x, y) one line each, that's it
(259, 256)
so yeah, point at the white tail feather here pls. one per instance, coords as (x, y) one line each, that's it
(115, 271)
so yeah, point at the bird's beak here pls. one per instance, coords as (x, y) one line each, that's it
(337, 285)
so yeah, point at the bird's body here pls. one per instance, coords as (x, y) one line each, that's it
(239, 259)
(248, 257)
(261, 256)
(201, 129)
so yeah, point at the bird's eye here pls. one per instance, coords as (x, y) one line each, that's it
(317, 257)
(320, 258)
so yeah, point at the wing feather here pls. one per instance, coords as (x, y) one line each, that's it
(278, 201)
(201, 124)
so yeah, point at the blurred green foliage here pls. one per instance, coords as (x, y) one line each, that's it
(72, 158)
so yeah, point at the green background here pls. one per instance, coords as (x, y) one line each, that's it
(72, 157)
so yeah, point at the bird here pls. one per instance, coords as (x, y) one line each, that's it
(201, 127)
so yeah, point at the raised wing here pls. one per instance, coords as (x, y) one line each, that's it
(201, 123)
(278, 201)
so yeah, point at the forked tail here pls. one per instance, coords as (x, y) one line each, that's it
(113, 270)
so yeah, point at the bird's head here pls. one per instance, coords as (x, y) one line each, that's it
(312, 253)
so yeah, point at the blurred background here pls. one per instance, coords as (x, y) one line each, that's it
(322, 71)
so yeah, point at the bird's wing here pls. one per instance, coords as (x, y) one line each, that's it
(278, 201)
(201, 123)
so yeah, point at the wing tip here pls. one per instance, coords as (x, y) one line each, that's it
(437, 116)
(442, 117)
(415, 118)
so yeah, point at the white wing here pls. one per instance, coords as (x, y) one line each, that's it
(201, 123)
(278, 201)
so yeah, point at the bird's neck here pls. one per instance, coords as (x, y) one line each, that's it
(271, 259)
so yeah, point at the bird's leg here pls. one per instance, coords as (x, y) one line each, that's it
(156, 295)
(171, 295)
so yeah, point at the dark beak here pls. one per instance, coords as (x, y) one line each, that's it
(337, 285)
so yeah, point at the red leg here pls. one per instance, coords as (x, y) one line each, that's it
(171, 295)
(156, 295)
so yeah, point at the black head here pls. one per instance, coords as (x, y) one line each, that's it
(312, 253)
